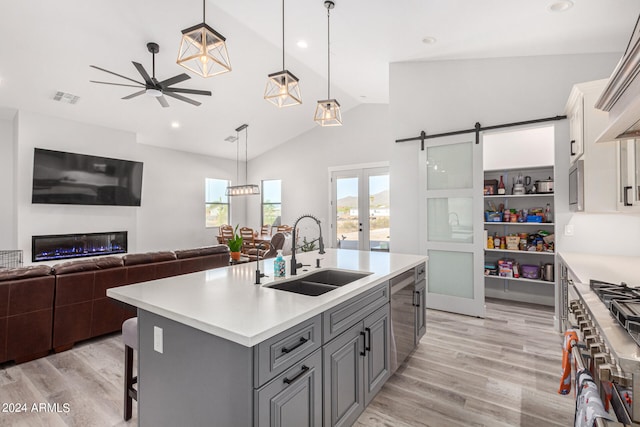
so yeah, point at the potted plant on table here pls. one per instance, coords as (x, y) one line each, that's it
(235, 244)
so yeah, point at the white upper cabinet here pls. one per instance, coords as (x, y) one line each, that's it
(628, 159)
(586, 124)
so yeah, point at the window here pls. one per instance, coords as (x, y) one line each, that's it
(216, 202)
(271, 200)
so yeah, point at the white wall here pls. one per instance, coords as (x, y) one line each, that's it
(171, 215)
(303, 163)
(444, 96)
(7, 214)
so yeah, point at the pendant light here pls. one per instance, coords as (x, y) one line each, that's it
(203, 50)
(328, 110)
(245, 189)
(282, 88)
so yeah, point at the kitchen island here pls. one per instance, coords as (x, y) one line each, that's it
(216, 349)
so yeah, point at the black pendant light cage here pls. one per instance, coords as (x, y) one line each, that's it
(328, 110)
(283, 89)
(203, 50)
(244, 189)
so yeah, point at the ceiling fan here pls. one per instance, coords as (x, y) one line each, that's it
(152, 86)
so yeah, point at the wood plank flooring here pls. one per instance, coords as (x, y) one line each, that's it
(499, 371)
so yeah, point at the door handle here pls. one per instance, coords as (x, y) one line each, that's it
(573, 141)
(626, 195)
(298, 375)
(364, 344)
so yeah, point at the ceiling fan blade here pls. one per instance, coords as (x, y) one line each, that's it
(116, 74)
(173, 80)
(182, 98)
(163, 101)
(143, 73)
(133, 95)
(191, 91)
(114, 84)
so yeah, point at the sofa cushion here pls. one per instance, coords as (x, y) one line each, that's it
(75, 266)
(148, 257)
(24, 272)
(203, 251)
(106, 262)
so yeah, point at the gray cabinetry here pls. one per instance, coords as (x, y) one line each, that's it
(274, 355)
(376, 359)
(343, 370)
(294, 398)
(356, 365)
(420, 296)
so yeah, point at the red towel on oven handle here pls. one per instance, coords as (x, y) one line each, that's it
(565, 382)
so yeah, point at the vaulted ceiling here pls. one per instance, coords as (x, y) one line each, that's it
(47, 46)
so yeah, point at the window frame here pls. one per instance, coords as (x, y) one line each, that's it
(263, 203)
(208, 203)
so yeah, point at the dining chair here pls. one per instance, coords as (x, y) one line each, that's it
(248, 239)
(226, 233)
(265, 230)
(284, 228)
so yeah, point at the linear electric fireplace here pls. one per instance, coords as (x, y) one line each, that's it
(65, 246)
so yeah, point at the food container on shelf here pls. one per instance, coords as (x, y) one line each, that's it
(534, 218)
(530, 271)
(493, 216)
(490, 269)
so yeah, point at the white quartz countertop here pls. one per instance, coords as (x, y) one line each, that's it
(225, 301)
(607, 268)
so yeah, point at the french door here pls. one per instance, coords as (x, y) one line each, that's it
(360, 209)
(451, 228)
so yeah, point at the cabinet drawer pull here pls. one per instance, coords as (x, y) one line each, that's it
(304, 369)
(367, 342)
(416, 296)
(626, 195)
(573, 142)
(363, 352)
(298, 344)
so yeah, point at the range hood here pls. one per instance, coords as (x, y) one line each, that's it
(621, 96)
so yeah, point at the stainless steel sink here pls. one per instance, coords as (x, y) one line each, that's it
(320, 282)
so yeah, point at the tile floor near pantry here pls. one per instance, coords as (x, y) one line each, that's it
(500, 371)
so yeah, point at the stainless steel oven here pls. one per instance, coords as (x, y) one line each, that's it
(605, 348)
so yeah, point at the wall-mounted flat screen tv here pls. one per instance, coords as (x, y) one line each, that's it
(79, 179)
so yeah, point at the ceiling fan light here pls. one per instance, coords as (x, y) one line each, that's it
(283, 89)
(203, 51)
(328, 113)
(154, 92)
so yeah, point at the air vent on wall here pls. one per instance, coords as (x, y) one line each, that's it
(67, 98)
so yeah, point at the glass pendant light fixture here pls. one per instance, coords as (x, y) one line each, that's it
(282, 88)
(203, 50)
(328, 110)
(245, 189)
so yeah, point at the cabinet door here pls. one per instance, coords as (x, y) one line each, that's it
(629, 175)
(377, 367)
(293, 399)
(576, 131)
(343, 363)
(421, 314)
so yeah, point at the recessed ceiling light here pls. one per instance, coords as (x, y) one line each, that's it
(429, 40)
(175, 125)
(560, 6)
(302, 44)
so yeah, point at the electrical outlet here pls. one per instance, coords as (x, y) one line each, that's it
(157, 339)
(568, 230)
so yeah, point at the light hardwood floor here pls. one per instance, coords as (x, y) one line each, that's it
(502, 370)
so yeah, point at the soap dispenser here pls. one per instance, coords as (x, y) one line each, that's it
(279, 266)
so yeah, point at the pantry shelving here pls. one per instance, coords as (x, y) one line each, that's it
(507, 286)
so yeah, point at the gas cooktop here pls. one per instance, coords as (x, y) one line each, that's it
(623, 302)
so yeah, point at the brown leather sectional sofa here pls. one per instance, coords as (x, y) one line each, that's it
(46, 308)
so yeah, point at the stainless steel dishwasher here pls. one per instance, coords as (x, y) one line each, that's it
(403, 317)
